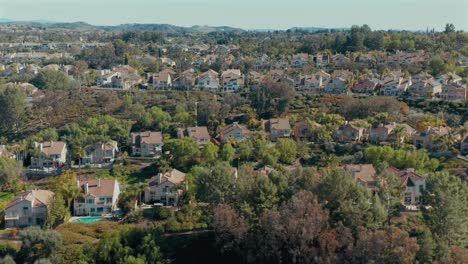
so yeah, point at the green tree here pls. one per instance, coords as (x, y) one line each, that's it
(10, 171)
(215, 183)
(58, 212)
(227, 152)
(65, 186)
(183, 152)
(287, 150)
(437, 66)
(445, 208)
(13, 109)
(52, 80)
(209, 153)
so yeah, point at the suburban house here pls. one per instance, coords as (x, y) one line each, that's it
(321, 59)
(395, 86)
(161, 81)
(99, 197)
(146, 144)
(233, 80)
(425, 88)
(101, 153)
(337, 85)
(234, 131)
(381, 133)
(208, 81)
(185, 81)
(311, 84)
(453, 92)
(349, 133)
(261, 63)
(52, 155)
(278, 128)
(449, 78)
(414, 185)
(364, 174)
(303, 130)
(365, 86)
(165, 188)
(29, 208)
(426, 138)
(200, 134)
(299, 60)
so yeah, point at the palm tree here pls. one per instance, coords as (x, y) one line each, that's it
(399, 132)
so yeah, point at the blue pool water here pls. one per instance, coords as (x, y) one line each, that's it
(88, 220)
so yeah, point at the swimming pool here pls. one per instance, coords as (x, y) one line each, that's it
(88, 220)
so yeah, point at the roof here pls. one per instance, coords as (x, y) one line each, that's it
(53, 147)
(100, 187)
(233, 126)
(362, 172)
(279, 123)
(198, 132)
(147, 137)
(406, 175)
(38, 198)
(174, 176)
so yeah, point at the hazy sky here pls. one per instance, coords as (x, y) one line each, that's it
(248, 14)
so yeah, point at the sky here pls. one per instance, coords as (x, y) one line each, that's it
(247, 14)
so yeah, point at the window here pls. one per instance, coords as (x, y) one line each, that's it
(407, 198)
(90, 201)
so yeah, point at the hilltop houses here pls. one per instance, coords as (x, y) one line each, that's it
(29, 208)
(99, 197)
(146, 144)
(50, 156)
(165, 188)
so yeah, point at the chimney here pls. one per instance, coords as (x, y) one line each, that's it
(99, 183)
(86, 188)
(159, 178)
(78, 183)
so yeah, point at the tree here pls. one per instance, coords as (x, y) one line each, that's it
(349, 202)
(449, 28)
(437, 66)
(58, 212)
(52, 80)
(209, 153)
(230, 228)
(183, 152)
(445, 208)
(10, 171)
(227, 153)
(38, 244)
(215, 183)
(271, 97)
(392, 245)
(65, 185)
(13, 109)
(287, 150)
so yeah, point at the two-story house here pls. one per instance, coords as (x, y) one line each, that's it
(233, 80)
(99, 197)
(200, 134)
(454, 93)
(101, 152)
(299, 60)
(29, 208)
(51, 155)
(426, 138)
(364, 174)
(165, 188)
(146, 144)
(349, 133)
(234, 131)
(209, 81)
(278, 128)
(161, 81)
(381, 133)
(414, 185)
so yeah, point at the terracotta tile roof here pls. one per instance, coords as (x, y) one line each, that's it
(279, 123)
(362, 172)
(198, 132)
(174, 176)
(233, 126)
(53, 147)
(147, 137)
(38, 198)
(99, 187)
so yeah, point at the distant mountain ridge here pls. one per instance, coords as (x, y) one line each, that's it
(164, 28)
(83, 26)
